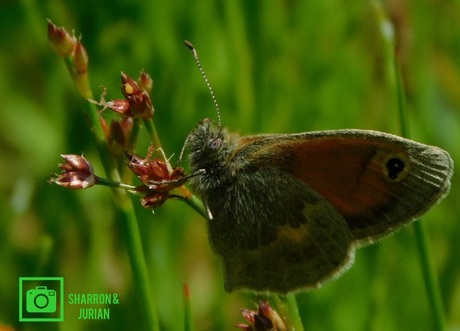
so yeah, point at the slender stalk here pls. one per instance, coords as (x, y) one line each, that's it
(153, 133)
(76, 62)
(289, 311)
(138, 265)
(111, 183)
(108, 162)
(134, 134)
(188, 316)
(131, 233)
(423, 247)
(195, 203)
(429, 276)
(395, 82)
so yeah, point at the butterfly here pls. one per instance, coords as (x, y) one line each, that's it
(287, 211)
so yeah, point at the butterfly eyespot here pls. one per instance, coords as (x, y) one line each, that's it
(394, 167)
(214, 143)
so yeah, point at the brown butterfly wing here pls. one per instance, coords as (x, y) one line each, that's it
(376, 181)
(275, 233)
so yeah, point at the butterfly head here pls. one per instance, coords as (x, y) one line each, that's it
(208, 145)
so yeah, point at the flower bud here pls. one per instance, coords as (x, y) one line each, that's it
(154, 200)
(264, 319)
(81, 59)
(80, 70)
(61, 41)
(145, 82)
(76, 173)
(139, 101)
(157, 177)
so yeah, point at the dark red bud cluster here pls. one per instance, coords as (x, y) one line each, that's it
(157, 177)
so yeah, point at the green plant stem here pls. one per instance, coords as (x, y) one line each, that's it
(429, 276)
(423, 247)
(111, 183)
(126, 210)
(395, 82)
(134, 134)
(195, 203)
(289, 311)
(131, 233)
(138, 264)
(188, 316)
(81, 81)
(153, 133)
(107, 159)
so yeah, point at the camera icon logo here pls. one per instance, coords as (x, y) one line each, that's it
(41, 300)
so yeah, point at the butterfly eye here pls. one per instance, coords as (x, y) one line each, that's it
(214, 143)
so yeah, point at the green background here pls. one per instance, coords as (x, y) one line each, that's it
(275, 66)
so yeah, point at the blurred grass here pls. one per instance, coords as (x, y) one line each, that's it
(286, 66)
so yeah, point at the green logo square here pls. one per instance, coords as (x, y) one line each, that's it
(41, 299)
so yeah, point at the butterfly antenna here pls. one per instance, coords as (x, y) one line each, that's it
(195, 55)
